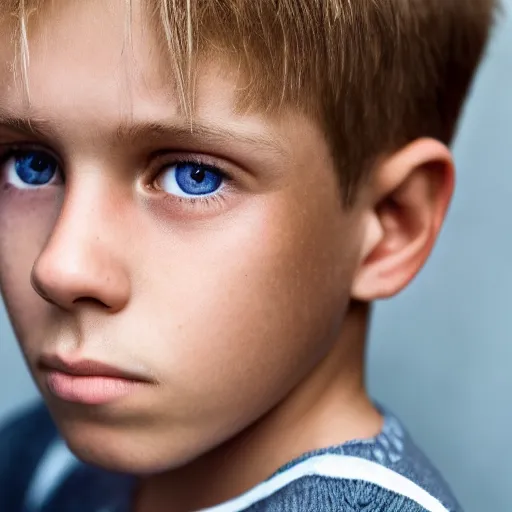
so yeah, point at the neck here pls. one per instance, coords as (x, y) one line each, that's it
(329, 407)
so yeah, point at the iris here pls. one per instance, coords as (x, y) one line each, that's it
(35, 168)
(196, 179)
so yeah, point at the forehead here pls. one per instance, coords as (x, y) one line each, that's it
(83, 51)
(97, 58)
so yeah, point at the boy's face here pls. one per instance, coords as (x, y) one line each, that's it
(221, 293)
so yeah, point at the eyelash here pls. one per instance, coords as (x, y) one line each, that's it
(216, 199)
(8, 151)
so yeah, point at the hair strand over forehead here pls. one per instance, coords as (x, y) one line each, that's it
(375, 74)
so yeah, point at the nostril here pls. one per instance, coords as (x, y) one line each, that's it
(91, 301)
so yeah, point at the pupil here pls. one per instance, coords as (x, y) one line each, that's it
(39, 164)
(197, 175)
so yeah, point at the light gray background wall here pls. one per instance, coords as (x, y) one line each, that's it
(441, 353)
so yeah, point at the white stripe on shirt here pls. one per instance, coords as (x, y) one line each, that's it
(340, 467)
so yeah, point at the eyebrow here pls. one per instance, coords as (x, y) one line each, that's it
(36, 127)
(195, 131)
(126, 132)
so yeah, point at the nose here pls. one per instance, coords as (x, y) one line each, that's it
(82, 261)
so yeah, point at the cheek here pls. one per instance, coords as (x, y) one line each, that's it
(246, 310)
(26, 221)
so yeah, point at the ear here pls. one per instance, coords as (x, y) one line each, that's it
(410, 192)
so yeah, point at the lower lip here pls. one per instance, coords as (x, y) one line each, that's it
(92, 390)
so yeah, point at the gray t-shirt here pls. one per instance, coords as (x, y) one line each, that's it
(387, 473)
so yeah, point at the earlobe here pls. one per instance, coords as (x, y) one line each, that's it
(411, 191)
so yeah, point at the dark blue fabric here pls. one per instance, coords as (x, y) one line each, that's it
(90, 490)
(24, 440)
(22, 443)
(394, 449)
(314, 494)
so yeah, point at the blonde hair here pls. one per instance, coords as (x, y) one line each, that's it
(376, 74)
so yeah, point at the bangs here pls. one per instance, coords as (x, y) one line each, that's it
(281, 49)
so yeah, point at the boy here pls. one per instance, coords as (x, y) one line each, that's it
(199, 201)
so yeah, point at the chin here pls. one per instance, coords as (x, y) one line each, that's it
(128, 450)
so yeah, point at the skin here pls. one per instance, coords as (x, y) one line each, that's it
(245, 310)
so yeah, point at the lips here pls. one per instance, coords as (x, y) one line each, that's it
(88, 368)
(89, 382)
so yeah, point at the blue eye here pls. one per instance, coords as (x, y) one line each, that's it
(188, 179)
(31, 168)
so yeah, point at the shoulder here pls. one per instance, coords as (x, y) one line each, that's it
(395, 449)
(335, 483)
(313, 492)
(23, 441)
